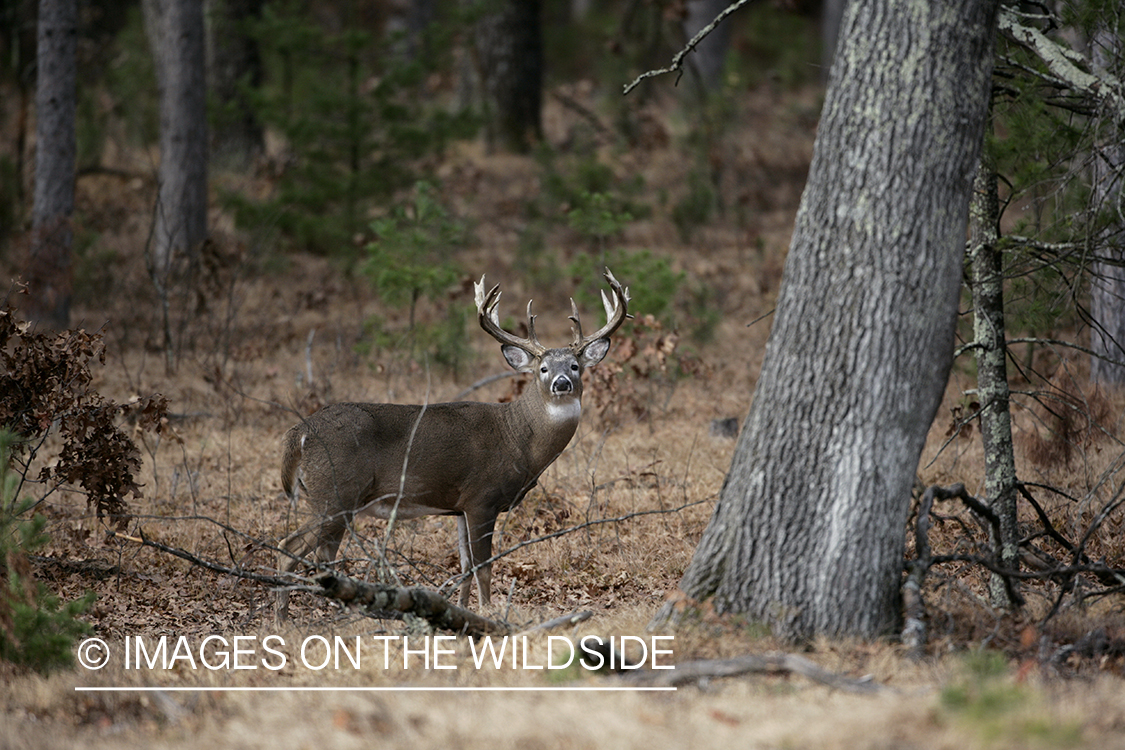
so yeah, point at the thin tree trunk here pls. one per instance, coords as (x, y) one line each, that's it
(987, 282)
(48, 270)
(706, 62)
(176, 32)
(509, 51)
(1107, 287)
(234, 69)
(808, 534)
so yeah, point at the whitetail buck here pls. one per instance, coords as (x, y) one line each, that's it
(468, 459)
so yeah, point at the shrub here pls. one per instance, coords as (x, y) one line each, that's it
(45, 383)
(36, 630)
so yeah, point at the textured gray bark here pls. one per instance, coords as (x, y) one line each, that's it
(175, 30)
(509, 50)
(987, 284)
(808, 534)
(48, 269)
(234, 68)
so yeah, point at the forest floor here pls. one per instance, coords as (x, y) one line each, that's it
(271, 337)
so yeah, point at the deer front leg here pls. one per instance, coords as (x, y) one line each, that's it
(322, 537)
(474, 537)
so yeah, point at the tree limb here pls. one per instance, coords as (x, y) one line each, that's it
(376, 599)
(678, 60)
(423, 603)
(1063, 64)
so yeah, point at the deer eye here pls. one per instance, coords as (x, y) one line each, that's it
(543, 369)
(574, 367)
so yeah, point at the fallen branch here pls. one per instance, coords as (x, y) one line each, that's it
(565, 621)
(772, 663)
(207, 564)
(375, 599)
(423, 603)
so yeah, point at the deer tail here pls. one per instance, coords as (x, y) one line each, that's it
(291, 458)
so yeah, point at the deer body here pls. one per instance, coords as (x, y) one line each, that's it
(472, 460)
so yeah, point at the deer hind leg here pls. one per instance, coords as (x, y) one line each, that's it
(474, 536)
(321, 538)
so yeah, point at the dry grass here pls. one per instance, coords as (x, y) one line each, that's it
(211, 487)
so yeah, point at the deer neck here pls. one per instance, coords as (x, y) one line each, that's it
(544, 424)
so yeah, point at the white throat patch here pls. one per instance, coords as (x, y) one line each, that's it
(564, 410)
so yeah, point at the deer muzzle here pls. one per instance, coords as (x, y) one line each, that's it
(562, 384)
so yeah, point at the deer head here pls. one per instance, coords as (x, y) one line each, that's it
(559, 370)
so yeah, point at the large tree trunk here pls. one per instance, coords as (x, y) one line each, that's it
(175, 30)
(48, 270)
(234, 68)
(509, 51)
(808, 534)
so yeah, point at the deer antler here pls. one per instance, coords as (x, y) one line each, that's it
(490, 321)
(615, 313)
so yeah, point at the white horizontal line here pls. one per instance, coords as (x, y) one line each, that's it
(405, 689)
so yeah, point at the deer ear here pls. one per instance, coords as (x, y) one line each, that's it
(594, 352)
(519, 359)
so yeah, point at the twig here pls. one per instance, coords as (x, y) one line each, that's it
(559, 622)
(914, 629)
(569, 530)
(678, 60)
(308, 358)
(772, 663)
(196, 560)
(485, 381)
(1068, 344)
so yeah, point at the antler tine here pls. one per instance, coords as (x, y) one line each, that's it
(531, 327)
(575, 324)
(489, 316)
(615, 313)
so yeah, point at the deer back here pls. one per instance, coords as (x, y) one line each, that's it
(437, 459)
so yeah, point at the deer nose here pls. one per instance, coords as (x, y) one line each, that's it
(562, 384)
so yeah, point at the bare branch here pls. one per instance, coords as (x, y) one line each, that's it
(1065, 65)
(569, 530)
(424, 603)
(678, 61)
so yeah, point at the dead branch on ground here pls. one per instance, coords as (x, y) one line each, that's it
(419, 602)
(377, 600)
